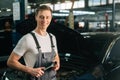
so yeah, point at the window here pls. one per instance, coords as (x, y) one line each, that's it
(111, 1)
(115, 52)
(96, 2)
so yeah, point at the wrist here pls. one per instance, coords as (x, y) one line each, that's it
(28, 69)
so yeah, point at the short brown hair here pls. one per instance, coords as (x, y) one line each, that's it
(43, 7)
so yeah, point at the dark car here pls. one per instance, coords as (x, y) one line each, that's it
(103, 49)
(95, 53)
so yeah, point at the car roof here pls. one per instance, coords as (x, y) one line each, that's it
(97, 43)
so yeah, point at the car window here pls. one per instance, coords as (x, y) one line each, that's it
(115, 52)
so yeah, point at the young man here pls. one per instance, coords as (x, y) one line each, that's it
(26, 47)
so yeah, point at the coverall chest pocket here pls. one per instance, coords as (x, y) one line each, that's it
(47, 59)
(44, 59)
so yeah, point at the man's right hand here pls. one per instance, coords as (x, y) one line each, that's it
(37, 72)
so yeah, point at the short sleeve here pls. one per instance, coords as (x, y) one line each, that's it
(21, 46)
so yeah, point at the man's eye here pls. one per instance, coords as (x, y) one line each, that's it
(41, 17)
(47, 17)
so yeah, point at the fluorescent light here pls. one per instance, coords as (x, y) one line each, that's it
(28, 7)
(109, 11)
(64, 11)
(78, 12)
(8, 10)
(83, 12)
(59, 14)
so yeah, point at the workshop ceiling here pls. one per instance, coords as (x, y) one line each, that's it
(7, 4)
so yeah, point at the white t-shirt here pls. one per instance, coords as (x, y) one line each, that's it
(26, 47)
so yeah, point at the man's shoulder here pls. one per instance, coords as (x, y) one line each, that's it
(26, 36)
(51, 34)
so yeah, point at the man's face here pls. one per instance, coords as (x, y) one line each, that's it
(43, 19)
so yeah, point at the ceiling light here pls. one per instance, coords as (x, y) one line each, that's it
(59, 14)
(64, 11)
(8, 9)
(109, 11)
(28, 7)
(78, 12)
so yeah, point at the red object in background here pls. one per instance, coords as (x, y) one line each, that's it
(106, 19)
